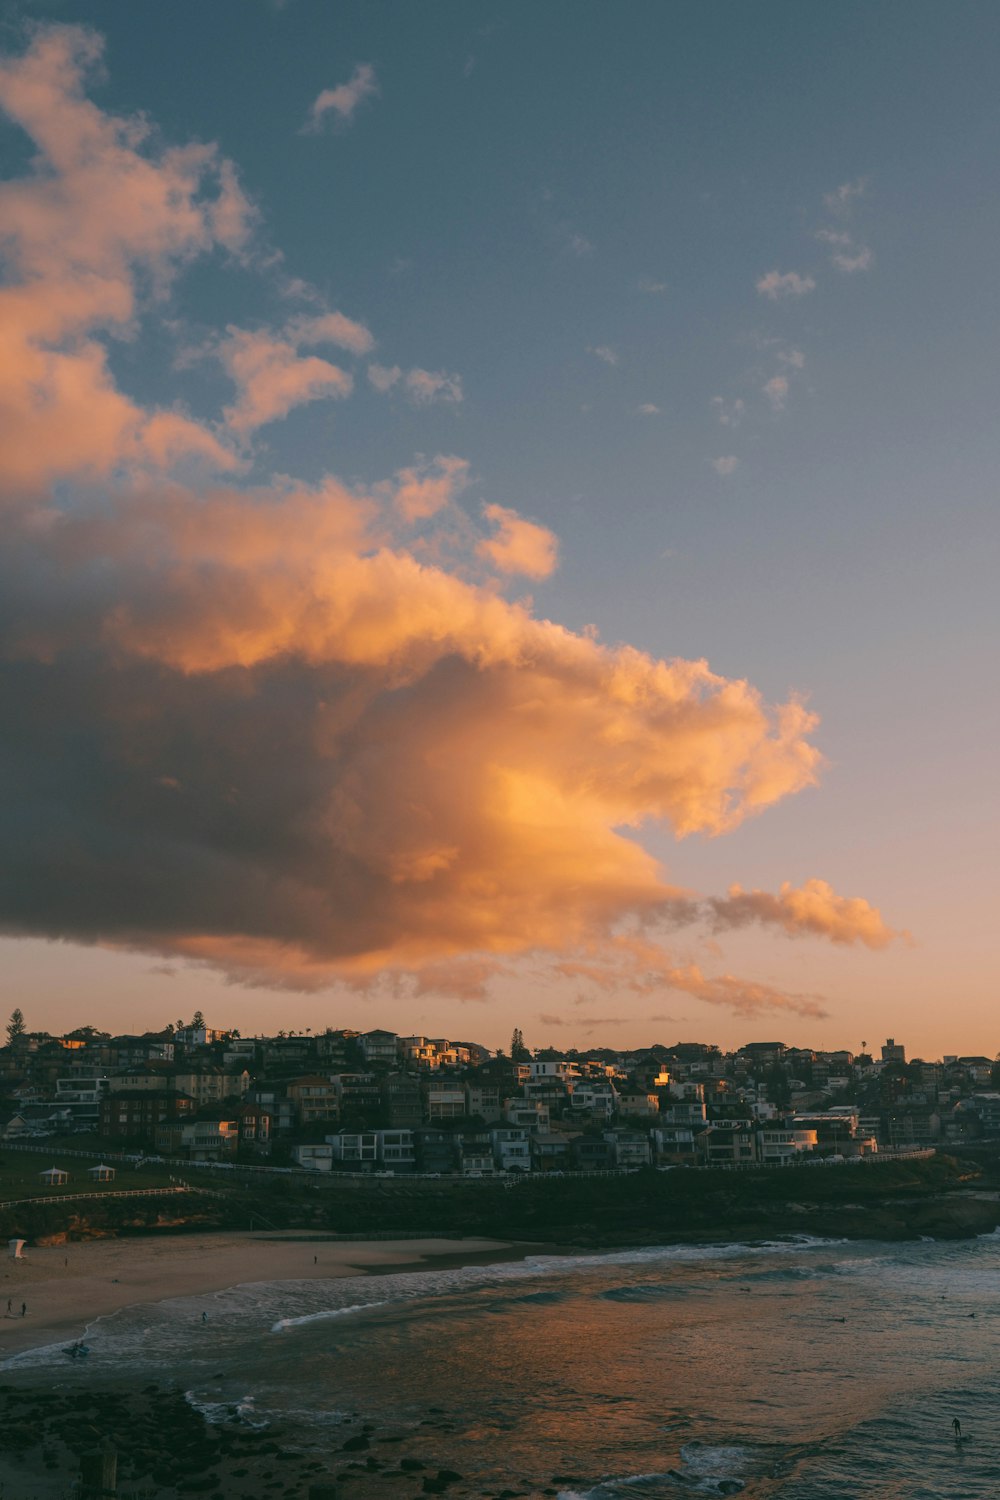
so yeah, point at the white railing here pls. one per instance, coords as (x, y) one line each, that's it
(116, 1193)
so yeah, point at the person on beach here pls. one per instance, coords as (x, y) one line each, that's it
(10, 1306)
(24, 1308)
(956, 1428)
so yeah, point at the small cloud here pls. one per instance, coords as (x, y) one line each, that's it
(776, 391)
(776, 284)
(578, 244)
(425, 386)
(841, 200)
(651, 287)
(547, 1020)
(519, 546)
(729, 413)
(384, 377)
(603, 351)
(420, 387)
(861, 260)
(724, 466)
(344, 99)
(647, 409)
(833, 236)
(332, 328)
(794, 358)
(426, 488)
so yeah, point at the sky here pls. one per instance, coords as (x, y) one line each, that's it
(498, 519)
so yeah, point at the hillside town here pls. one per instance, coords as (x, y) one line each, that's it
(377, 1102)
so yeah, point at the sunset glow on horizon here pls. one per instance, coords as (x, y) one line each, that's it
(463, 571)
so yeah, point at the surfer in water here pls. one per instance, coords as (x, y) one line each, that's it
(956, 1428)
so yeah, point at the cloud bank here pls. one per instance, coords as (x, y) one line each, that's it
(298, 731)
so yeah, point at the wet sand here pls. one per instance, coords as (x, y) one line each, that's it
(167, 1450)
(66, 1287)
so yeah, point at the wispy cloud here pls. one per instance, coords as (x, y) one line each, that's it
(606, 353)
(344, 99)
(729, 413)
(778, 284)
(776, 391)
(859, 260)
(651, 287)
(843, 198)
(647, 409)
(421, 387)
(724, 466)
(847, 253)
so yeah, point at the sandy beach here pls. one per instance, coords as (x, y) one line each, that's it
(44, 1429)
(65, 1287)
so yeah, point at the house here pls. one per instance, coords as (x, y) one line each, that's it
(198, 1036)
(255, 1128)
(402, 1101)
(634, 1102)
(208, 1139)
(593, 1154)
(531, 1117)
(379, 1047)
(445, 1102)
(511, 1149)
(137, 1114)
(551, 1152)
(210, 1085)
(595, 1096)
(357, 1149)
(14, 1128)
(674, 1144)
(314, 1097)
(358, 1093)
(728, 1143)
(779, 1145)
(437, 1152)
(483, 1099)
(395, 1150)
(314, 1157)
(476, 1153)
(631, 1148)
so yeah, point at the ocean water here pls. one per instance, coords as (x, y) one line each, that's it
(806, 1369)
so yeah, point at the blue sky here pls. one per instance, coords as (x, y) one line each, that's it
(708, 292)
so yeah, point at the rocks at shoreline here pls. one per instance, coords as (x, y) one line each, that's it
(167, 1450)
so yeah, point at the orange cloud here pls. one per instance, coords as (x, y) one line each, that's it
(262, 726)
(812, 908)
(519, 546)
(271, 377)
(101, 207)
(426, 488)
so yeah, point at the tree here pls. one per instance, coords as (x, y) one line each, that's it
(15, 1026)
(778, 1089)
(197, 1021)
(518, 1051)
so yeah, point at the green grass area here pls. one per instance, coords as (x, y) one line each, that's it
(20, 1174)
